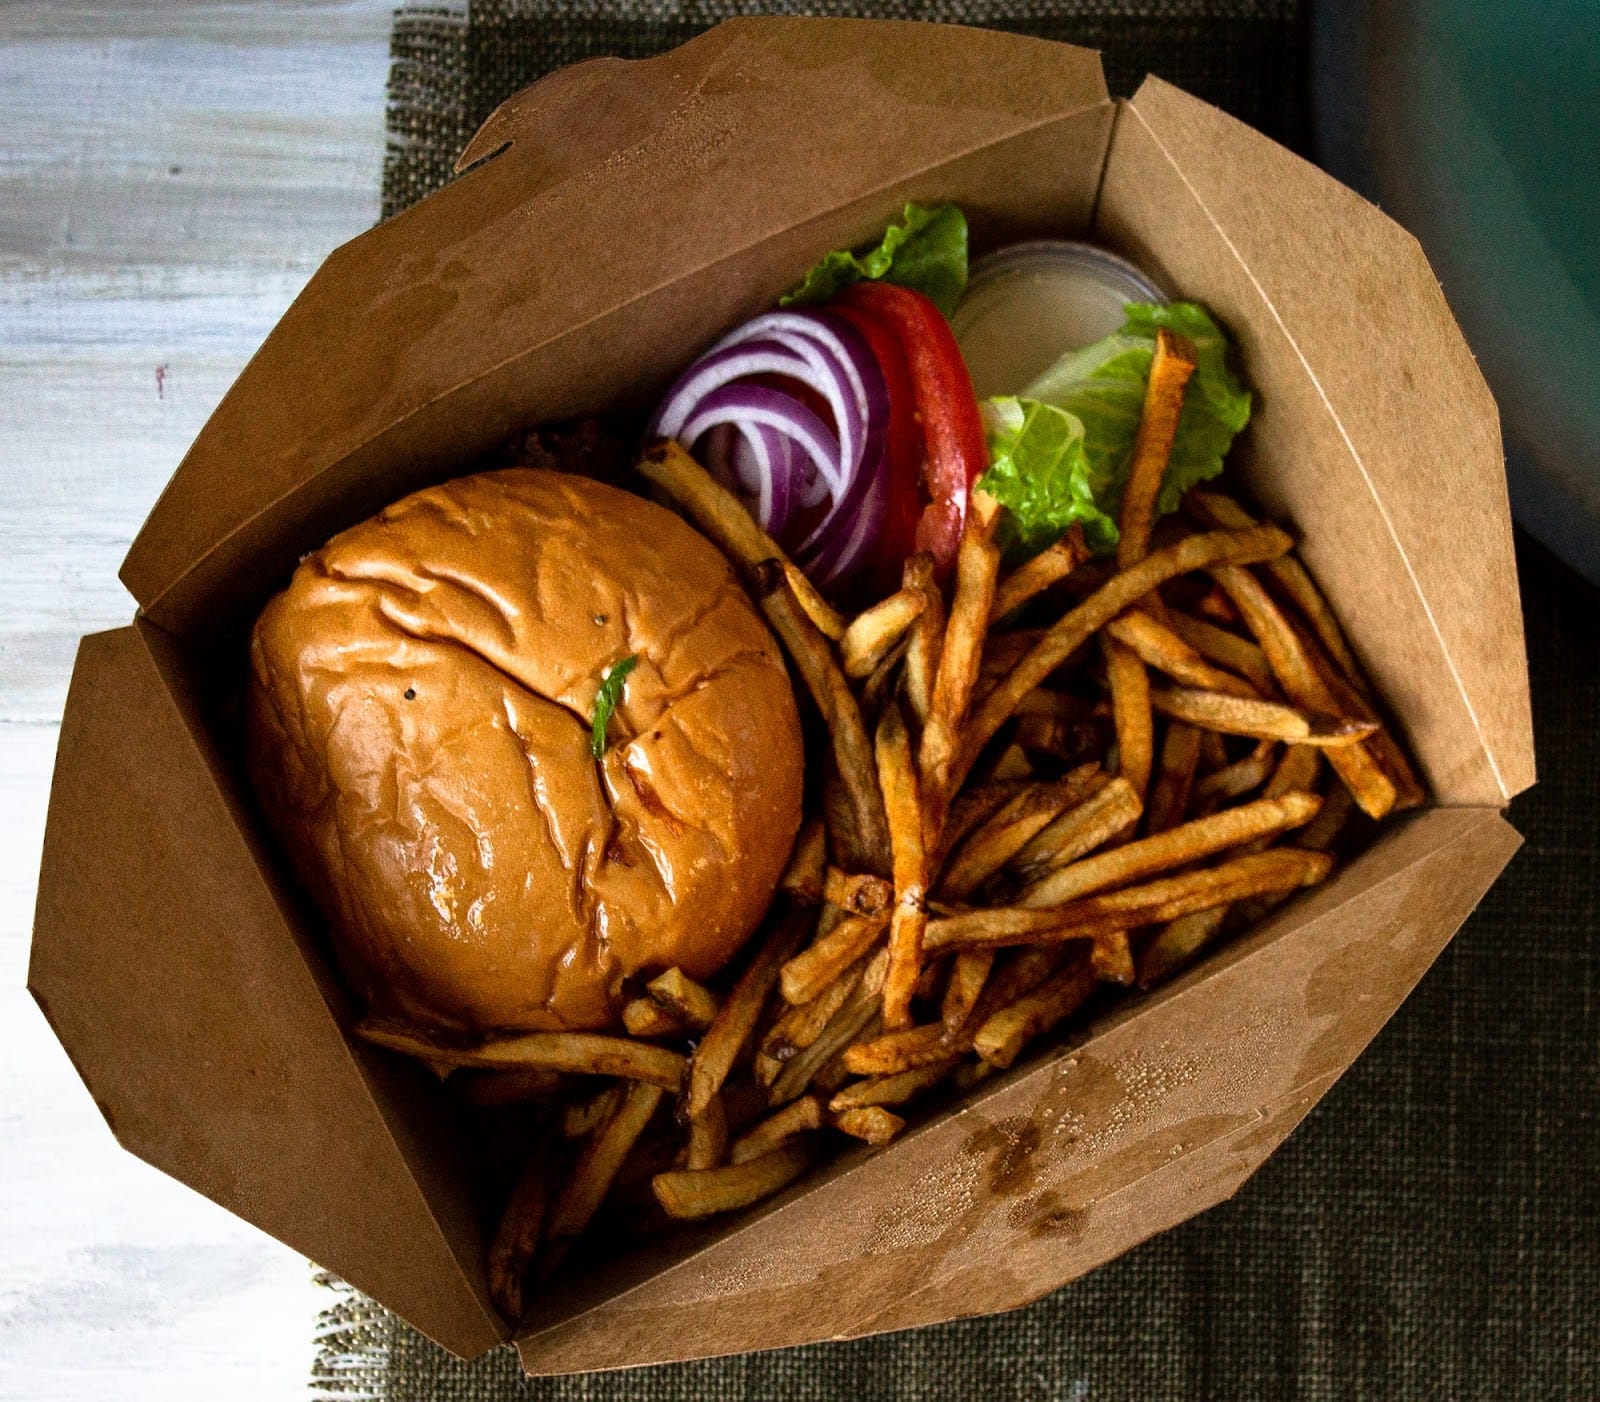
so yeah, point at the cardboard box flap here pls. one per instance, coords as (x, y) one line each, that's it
(746, 133)
(1163, 1110)
(167, 966)
(1405, 516)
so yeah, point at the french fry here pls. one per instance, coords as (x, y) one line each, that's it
(1257, 873)
(1239, 778)
(776, 1129)
(894, 1089)
(1298, 769)
(644, 1017)
(852, 751)
(897, 777)
(1176, 847)
(516, 1241)
(1323, 830)
(1007, 1031)
(596, 1167)
(581, 1117)
(871, 1123)
(492, 1088)
(1010, 829)
(735, 1020)
(1111, 958)
(857, 893)
(884, 682)
(1109, 811)
(802, 878)
(969, 971)
(579, 1053)
(693, 1193)
(871, 635)
(1156, 645)
(1170, 368)
(1262, 720)
(708, 1135)
(1130, 702)
(859, 1011)
(1041, 701)
(1226, 649)
(820, 963)
(1304, 685)
(1177, 942)
(1002, 651)
(1213, 752)
(1216, 606)
(1169, 794)
(1017, 973)
(804, 1022)
(1070, 741)
(1076, 627)
(1034, 576)
(693, 1003)
(897, 1051)
(720, 515)
(926, 637)
(974, 806)
(977, 564)
(1011, 764)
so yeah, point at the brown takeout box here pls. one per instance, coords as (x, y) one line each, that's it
(615, 218)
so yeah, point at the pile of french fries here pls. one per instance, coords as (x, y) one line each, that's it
(1074, 774)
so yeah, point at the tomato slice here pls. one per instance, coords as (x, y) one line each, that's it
(903, 448)
(946, 408)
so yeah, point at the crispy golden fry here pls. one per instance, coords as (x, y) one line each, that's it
(1177, 942)
(1170, 368)
(969, 971)
(1011, 765)
(720, 515)
(1213, 752)
(1071, 741)
(996, 841)
(516, 1242)
(1111, 958)
(893, 1089)
(1298, 769)
(1130, 704)
(644, 1017)
(736, 1018)
(858, 894)
(1006, 1031)
(1156, 645)
(581, 1053)
(884, 682)
(930, 983)
(1215, 509)
(1032, 578)
(926, 638)
(852, 751)
(1002, 651)
(830, 1076)
(1323, 831)
(858, 1012)
(1304, 685)
(765, 1135)
(872, 634)
(1216, 606)
(1017, 972)
(765, 1067)
(708, 1135)
(977, 564)
(803, 1023)
(897, 777)
(689, 1193)
(1176, 847)
(694, 1004)
(1279, 869)
(802, 879)
(1111, 809)
(1239, 778)
(490, 1088)
(820, 964)
(1041, 701)
(1226, 649)
(1169, 795)
(1124, 589)
(871, 1123)
(582, 1117)
(596, 1167)
(1262, 720)
(974, 806)
(897, 1051)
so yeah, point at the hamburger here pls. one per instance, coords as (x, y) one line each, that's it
(422, 733)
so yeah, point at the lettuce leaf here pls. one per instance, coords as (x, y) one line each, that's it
(1103, 386)
(925, 251)
(1039, 471)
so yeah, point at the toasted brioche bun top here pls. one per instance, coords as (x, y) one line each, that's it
(419, 715)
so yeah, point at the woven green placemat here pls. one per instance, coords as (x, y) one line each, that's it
(1433, 1228)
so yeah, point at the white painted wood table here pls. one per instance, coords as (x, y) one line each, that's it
(170, 175)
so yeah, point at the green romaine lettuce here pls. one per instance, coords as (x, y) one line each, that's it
(1039, 471)
(926, 251)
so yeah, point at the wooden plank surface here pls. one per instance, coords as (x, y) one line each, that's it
(170, 174)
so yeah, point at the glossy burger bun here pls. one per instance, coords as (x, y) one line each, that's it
(419, 717)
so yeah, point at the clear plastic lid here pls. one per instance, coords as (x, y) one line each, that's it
(1029, 303)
